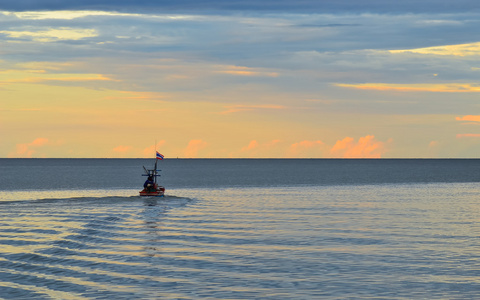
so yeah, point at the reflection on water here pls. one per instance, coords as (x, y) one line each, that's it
(388, 242)
(150, 201)
(153, 213)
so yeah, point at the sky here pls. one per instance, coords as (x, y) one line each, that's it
(240, 79)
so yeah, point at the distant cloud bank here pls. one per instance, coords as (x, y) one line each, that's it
(310, 6)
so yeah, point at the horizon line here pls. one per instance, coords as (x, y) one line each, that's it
(255, 158)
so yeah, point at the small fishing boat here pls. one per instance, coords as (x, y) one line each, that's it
(151, 188)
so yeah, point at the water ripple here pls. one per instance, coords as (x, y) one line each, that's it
(240, 244)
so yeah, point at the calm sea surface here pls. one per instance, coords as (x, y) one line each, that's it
(240, 229)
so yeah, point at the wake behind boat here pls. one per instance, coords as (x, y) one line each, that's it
(150, 187)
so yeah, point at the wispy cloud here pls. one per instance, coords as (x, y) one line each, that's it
(468, 135)
(52, 34)
(42, 66)
(62, 14)
(59, 78)
(472, 49)
(307, 6)
(245, 71)
(438, 88)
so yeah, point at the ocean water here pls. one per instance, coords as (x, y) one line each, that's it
(240, 229)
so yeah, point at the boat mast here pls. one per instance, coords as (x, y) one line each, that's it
(155, 169)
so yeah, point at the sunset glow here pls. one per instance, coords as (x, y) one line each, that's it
(325, 80)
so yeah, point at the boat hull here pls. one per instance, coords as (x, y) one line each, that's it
(159, 192)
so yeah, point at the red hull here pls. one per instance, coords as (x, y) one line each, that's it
(160, 192)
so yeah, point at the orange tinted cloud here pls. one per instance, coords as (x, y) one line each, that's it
(13, 77)
(245, 71)
(86, 77)
(149, 152)
(29, 149)
(439, 88)
(468, 135)
(253, 145)
(306, 149)
(255, 149)
(366, 147)
(468, 118)
(194, 146)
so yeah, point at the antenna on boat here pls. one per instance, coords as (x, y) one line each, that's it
(155, 170)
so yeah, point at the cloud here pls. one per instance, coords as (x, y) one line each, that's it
(311, 6)
(366, 147)
(194, 146)
(245, 71)
(61, 14)
(439, 88)
(59, 78)
(468, 118)
(468, 135)
(149, 152)
(197, 60)
(28, 150)
(471, 49)
(306, 149)
(256, 149)
(253, 145)
(52, 34)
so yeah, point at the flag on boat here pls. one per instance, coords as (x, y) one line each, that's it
(159, 156)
